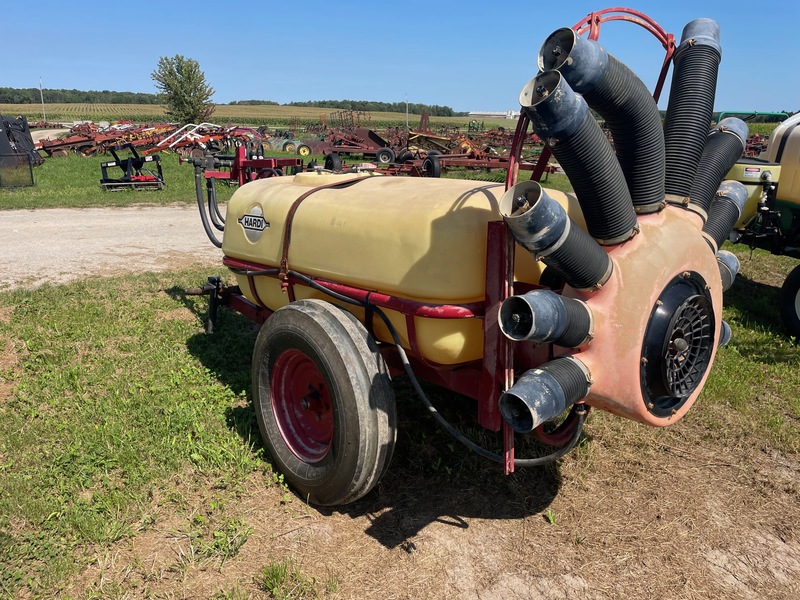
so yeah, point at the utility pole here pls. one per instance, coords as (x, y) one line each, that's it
(41, 95)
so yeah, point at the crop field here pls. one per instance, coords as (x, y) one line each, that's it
(275, 116)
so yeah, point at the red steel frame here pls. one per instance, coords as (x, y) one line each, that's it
(483, 380)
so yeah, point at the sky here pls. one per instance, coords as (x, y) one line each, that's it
(469, 55)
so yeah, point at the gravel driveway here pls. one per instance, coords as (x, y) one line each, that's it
(61, 245)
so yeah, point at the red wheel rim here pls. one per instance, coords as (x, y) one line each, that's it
(302, 406)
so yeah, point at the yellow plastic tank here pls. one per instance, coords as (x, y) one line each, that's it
(418, 238)
(784, 148)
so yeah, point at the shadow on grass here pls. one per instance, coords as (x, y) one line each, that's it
(758, 330)
(755, 303)
(432, 478)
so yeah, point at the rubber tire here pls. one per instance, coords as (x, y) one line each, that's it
(333, 162)
(363, 406)
(431, 167)
(290, 147)
(385, 156)
(404, 155)
(789, 302)
(304, 150)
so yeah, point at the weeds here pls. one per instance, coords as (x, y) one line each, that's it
(283, 580)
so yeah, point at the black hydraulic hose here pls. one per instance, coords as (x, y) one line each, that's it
(724, 146)
(562, 118)
(579, 409)
(213, 209)
(198, 186)
(623, 100)
(691, 104)
(215, 205)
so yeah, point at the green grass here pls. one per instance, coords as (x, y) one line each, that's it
(284, 580)
(118, 396)
(74, 182)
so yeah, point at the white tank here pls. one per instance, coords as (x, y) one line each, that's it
(784, 148)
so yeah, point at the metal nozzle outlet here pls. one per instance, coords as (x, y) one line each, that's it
(544, 393)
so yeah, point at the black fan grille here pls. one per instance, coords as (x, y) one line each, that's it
(678, 344)
(688, 347)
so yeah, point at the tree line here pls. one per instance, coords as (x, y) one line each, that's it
(434, 110)
(32, 96)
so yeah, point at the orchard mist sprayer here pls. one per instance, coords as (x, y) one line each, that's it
(535, 303)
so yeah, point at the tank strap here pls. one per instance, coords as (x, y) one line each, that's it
(283, 275)
(784, 139)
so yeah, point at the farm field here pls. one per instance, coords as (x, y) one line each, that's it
(275, 116)
(131, 465)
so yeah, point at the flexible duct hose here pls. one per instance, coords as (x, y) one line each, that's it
(619, 96)
(562, 118)
(725, 145)
(725, 211)
(691, 103)
(542, 226)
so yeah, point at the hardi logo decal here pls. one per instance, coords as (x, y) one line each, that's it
(254, 223)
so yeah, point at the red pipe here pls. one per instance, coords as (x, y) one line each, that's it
(403, 305)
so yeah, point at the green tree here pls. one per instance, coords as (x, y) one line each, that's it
(186, 92)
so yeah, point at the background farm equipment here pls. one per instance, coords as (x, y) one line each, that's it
(358, 140)
(205, 138)
(88, 139)
(534, 303)
(137, 171)
(18, 155)
(771, 215)
(239, 168)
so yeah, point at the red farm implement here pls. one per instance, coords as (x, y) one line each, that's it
(239, 168)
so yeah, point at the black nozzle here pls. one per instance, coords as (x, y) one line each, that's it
(728, 265)
(541, 225)
(544, 393)
(546, 317)
(725, 211)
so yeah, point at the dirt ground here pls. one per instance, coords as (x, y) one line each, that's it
(635, 512)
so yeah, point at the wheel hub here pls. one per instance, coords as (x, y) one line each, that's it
(302, 406)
